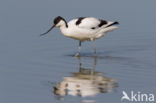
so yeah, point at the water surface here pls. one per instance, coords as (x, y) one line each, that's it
(32, 68)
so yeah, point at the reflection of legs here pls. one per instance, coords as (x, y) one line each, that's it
(94, 66)
(80, 69)
(95, 62)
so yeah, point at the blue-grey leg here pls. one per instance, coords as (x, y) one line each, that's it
(79, 49)
(94, 48)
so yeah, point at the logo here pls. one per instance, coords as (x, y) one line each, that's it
(137, 97)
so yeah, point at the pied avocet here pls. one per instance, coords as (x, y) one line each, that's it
(83, 28)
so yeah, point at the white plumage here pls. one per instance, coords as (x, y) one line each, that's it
(83, 28)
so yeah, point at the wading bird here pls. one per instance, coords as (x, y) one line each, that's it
(83, 28)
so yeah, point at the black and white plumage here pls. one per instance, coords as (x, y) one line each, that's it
(83, 28)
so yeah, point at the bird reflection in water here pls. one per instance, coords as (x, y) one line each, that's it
(86, 82)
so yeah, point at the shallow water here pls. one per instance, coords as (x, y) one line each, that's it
(36, 69)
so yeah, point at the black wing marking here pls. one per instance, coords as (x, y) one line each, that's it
(79, 20)
(102, 22)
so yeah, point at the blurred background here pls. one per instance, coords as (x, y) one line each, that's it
(32, 67)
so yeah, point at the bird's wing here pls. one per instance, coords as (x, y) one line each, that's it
(90, 23)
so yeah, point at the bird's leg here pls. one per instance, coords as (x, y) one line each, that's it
(94, 48)
(79, 49)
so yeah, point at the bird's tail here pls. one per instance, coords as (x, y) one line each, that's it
(112, 24)
(110, 27)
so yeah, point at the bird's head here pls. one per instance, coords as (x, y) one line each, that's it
(58, 22)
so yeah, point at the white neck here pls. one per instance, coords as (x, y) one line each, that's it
(64, 29)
